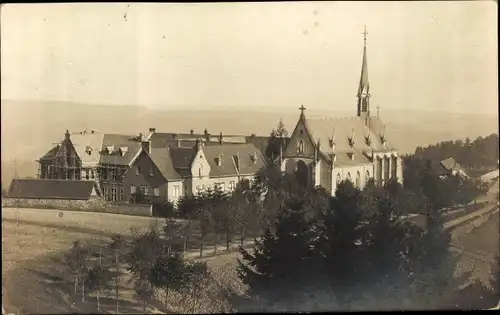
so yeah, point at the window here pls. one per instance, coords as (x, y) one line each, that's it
(367, 177)
(156, 192)
(232, 185)
(223, 186)
(122, 194)
(300, 147)
(198, 189)
(87, 174)
(349, 177)
(151, 171)
(144, 190)
(358, 179)
(133, 189)
(200, 171)
(339, 179)
(394, 168)
(137, 170)
(105, 193)
(92, 175)
(177, 191)
(113, 194)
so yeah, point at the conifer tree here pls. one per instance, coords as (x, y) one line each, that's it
(282, 257)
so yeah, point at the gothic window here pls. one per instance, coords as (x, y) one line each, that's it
(367, 177)
(113, 194)
(122, 194)
(300, 147)
(349, 177)
(386, 169)
(200, 171)
(339, 179)
(394, 167)
(358, 179)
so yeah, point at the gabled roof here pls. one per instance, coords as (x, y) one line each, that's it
(51, 153)
(341, 129)
(182, 157)
(235, 159)
(51, 189)
(163, 160)
(343, 159)
(451, 164)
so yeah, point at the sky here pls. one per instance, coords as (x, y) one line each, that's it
(435, 56)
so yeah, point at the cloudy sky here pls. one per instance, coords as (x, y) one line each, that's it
(422, 55)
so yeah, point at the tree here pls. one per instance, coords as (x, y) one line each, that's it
(172, 230)
(273, 261)
(167, 272)
(77, 260)
(276, 142)
(342, 232)
(97, 279)
(143, 291)
(116, 246)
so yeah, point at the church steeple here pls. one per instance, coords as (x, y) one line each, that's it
(364, 86)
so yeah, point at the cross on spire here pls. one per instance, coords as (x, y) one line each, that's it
(364, 34)
(302, 109)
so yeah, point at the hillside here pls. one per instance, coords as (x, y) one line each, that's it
(30, 127)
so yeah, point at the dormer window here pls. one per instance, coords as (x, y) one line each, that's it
(300, 147)
(351, 141)
(151, 171)
(368, 140)
(88, 150)
(123, 150)
(253, 157)
(137, 170)
(218, 160)
(351, 155)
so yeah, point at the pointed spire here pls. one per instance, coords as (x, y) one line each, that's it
(364, 84)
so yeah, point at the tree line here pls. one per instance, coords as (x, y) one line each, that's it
(481, 153)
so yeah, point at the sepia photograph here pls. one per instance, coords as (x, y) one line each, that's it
(258, 157)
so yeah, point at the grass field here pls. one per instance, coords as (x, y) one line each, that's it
(36, 281)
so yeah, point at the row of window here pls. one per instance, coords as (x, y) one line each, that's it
(114, 194)
(151, 171)
(221, 186)
(144, 190)
(357, 182)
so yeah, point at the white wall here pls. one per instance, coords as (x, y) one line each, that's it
(343, 171)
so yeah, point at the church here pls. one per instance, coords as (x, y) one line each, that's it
(324, 152)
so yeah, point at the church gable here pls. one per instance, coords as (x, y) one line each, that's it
(301, 143)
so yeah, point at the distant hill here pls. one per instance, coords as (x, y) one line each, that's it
(29, 128)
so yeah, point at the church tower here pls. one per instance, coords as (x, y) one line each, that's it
(364, 86)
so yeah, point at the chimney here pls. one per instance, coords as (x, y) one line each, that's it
(152, 130)
(220, 138)
(178, 141)
(66, 135)
(191, 131)
(207, 135)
